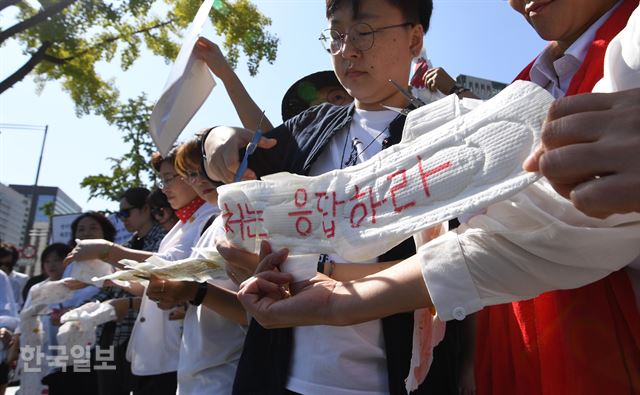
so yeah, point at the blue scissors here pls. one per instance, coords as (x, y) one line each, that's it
(251, 148)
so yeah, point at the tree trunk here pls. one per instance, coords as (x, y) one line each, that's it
(36, 58)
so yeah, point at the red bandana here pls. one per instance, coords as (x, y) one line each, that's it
(187, 211)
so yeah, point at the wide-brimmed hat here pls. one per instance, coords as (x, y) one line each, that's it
(304, 91)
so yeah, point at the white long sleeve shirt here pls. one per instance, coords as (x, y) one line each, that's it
(536, 241)
(8, 312)
(154, 346)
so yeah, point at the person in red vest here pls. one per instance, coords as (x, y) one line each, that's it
(585, 340)
(581, 340)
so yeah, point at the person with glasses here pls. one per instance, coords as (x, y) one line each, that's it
(161, 210)
(155, 339)
(574, 324)
(214, 325)
(369, 42)
(135, 214)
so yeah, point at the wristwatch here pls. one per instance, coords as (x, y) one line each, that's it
(200, 294)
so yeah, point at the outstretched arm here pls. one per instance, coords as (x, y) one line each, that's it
(247, 109)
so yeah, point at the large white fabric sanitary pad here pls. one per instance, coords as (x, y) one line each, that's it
(446, 165)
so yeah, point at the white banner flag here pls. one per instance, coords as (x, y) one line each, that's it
(188, 86)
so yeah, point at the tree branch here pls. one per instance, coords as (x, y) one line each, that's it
(108, 41)
(36, 58)
(40, 55)
(7, 3)
(34, 20)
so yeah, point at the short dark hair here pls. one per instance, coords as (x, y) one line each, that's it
(157, 199)
(416, 11)
(137, 197)
(59, 248)
(108, 230)
(7, 249)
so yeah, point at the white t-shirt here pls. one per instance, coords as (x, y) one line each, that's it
(154, 345)
(349, 360)
(211, 344)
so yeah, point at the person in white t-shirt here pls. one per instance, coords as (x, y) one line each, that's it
(370, 42)
(466, 270)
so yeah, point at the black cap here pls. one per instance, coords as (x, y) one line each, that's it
(304, 91)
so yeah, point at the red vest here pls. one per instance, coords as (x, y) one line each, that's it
(580, 341)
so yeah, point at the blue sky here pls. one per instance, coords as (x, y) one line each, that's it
(483, 38)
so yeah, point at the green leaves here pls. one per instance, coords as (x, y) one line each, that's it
(66, 39)
(82, 33)
(132, 169)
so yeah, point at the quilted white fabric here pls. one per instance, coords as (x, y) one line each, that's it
(447, 165)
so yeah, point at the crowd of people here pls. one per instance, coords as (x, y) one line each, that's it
(536, 294)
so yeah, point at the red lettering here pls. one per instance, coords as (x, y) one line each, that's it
(363, 207)
(303, 221)
(335, 203)
(228, 215)
(397, 187)
(321, 196)
(374, 205)
(256, 216)
(300, 193)
(329, 232)
(429, 173)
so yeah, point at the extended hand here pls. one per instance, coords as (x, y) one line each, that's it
(240, 264)
(210, 53)
(590, 151)
(168, 294)
(266, 296)
(222, 152)
(88, 249)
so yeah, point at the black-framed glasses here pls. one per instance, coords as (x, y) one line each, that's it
(164, 182)
(361, 36)
(125, 212)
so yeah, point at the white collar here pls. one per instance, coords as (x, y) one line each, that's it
(555, 75)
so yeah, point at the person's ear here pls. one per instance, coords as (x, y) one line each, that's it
(417, 35)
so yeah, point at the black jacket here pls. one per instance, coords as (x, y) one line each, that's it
(265, 362)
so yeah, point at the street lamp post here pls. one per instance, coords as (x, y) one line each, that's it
(34, 192)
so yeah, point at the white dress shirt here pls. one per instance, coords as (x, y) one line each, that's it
(555, 75)
(154, 345)
(536, 241)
